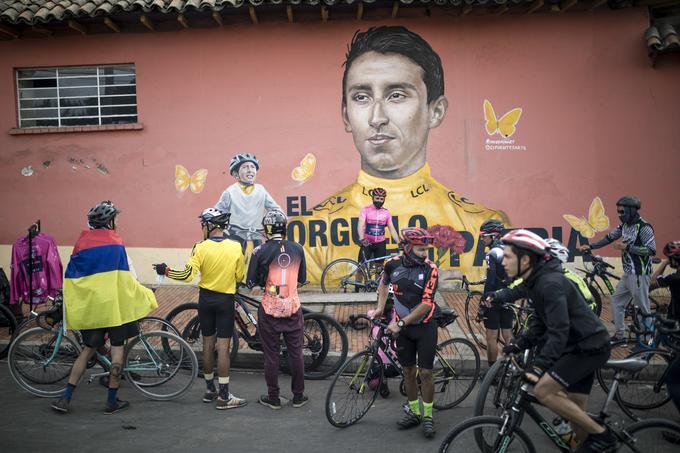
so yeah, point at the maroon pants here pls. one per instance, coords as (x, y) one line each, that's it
(270, 329)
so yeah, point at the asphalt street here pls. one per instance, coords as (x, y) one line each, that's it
(27, 424)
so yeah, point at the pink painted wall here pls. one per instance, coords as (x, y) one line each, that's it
(598, 120)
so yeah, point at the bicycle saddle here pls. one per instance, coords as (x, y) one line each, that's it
(448, 315)
(631, 365)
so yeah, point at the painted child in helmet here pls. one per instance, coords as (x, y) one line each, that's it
(246, 201)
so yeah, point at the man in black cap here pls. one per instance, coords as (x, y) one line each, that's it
(637, 246)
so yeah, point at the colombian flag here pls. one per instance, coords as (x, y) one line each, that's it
(99, 290)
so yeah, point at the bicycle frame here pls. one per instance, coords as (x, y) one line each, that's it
(523, 404)
(103, 360)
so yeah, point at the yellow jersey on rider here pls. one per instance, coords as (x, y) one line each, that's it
(330, 232)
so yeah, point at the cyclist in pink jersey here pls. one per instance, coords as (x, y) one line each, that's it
(373, 219)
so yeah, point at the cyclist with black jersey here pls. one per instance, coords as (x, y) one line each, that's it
(495, 317)
(572, 342)
(414, 282)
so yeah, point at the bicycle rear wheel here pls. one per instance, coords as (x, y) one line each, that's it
(645, 390)
(651, 436)
(151, 323)
(41, 364)
(354, 389)
(344, 275)
(455, 372)
(192, 335)
(155, 373)
(324, 349)
(463, 436)
(8, 325)
(475, 327)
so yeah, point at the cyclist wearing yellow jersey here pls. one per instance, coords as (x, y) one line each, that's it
(221, 264)
(392, 97)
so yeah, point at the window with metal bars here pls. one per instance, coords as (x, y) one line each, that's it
(77, 96)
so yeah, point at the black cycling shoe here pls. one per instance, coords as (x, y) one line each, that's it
(409, 420)
(605, 442)
(384, 390)
(428, 427)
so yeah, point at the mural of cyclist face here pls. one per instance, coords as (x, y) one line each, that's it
(388, 114)
(247, 173)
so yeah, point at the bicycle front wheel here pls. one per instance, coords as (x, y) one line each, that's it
(354, 389)
(651, 436)
(153, 371)
(40, 361)
(491, 395)
(463, 436)
(455, 372)
(325, 346)
(475, 326)
(344, 275)
(598, 300)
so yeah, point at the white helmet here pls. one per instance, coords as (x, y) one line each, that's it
(214, 217)
(558, 250)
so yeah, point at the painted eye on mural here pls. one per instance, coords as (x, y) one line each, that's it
(505, 125)
(306, 169)
(597, 220)
(185, 180)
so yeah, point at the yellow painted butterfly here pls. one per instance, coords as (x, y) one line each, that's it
(597, 220)
(184, 180)
(506, 125)
(306, 169)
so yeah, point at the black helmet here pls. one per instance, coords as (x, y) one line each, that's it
(629, 201)
(491, 226)
(242, 158)
(214, 217)
(103, 215)
(274, 222)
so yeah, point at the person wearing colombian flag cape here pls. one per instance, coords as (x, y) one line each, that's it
(102, 297)
(392, 96)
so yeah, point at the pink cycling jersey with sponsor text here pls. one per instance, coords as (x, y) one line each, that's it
(375, 220)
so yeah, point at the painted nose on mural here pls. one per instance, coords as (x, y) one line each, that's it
(378, 117)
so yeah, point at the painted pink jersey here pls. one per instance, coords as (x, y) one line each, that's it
(376, 220)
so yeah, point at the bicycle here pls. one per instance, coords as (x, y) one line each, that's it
(647, 389)
(325, 344)
(474, 317)
(504, 433)
(346, 274)
(360, 378)
(8, 325)
(600, 270)
(40, 360)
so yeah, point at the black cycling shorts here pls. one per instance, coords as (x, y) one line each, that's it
(95, 338)
(375, 250)
(417, 340)
(575, 371)
(498, 318)
(216, 313)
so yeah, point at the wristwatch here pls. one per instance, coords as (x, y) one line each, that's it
(401, 323)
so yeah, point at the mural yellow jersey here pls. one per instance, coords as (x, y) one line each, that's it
(329, 231)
